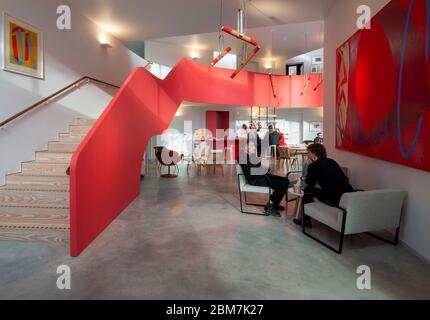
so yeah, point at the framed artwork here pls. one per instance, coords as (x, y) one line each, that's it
(382, 92)
(22, 48)
(315, 127)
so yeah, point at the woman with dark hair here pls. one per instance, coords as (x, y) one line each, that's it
(325, 179)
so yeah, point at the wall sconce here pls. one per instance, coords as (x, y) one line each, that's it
(104, 42)
(194, 56)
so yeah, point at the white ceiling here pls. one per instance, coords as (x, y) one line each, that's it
(134, 20)
(287, 41)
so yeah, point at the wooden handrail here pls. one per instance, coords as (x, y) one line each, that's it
(59, 92)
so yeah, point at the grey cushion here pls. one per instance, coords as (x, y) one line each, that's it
(366, 211)
(327, 215)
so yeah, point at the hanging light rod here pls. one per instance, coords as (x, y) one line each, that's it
(319, 85)
(272, 85)
(247, 39)
(220, 56)
(308, 82)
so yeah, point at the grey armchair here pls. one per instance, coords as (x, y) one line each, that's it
(358, 212)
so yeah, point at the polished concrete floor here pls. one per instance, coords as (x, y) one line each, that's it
(185, 238)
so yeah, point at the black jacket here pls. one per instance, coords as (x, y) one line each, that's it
(330, 177)
(274, 138)
(256, 180)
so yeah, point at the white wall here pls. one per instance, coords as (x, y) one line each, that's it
(306, 59)
(312, 115)
(20, 139)
(69, 55)
(369, 173)
(168, 54)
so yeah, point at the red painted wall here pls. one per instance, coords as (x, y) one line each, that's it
(211, 122)
(217, 120)
(105, 169)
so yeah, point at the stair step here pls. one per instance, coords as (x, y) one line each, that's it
(79, 129)
(28, 182)
(85, 122)
(67, 137)
(35, 235)
(55, 157)
(34, 199)
(34, 218)
(44, 168)
(62, 146)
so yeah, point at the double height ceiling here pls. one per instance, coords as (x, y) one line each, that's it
(284, 28)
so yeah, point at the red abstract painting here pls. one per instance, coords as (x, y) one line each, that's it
(382, 92)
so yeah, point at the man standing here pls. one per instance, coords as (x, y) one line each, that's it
(274, 139)
(319, 139)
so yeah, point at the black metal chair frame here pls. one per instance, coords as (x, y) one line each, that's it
(261, 205)
(246, 201)
(339, 249)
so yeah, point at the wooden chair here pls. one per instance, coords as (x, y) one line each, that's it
(284, 156)
(216, 160)
(293, 159)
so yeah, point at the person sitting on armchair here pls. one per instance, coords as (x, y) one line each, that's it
(325, 179)
(257, 175)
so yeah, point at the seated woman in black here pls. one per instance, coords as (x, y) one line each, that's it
(256, 175)
(325, 179)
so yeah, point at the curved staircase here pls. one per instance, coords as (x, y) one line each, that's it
(34, 204)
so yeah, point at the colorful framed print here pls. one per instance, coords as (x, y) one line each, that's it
(22, 48)
(382, 91)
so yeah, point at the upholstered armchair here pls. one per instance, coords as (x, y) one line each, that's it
(168, 158)
(359, 212)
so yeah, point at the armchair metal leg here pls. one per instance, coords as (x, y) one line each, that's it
(246, 202)
(393, 242)
(251, 204)
(339, 249)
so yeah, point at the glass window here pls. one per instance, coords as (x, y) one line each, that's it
(228, 62)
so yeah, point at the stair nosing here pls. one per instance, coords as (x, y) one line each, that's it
(49, 227)
(25, 189)
(33, 207)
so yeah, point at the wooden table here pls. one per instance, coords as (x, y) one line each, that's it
(299, 151)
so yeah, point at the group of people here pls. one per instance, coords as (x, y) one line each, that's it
(276, 137)
(325, 179)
